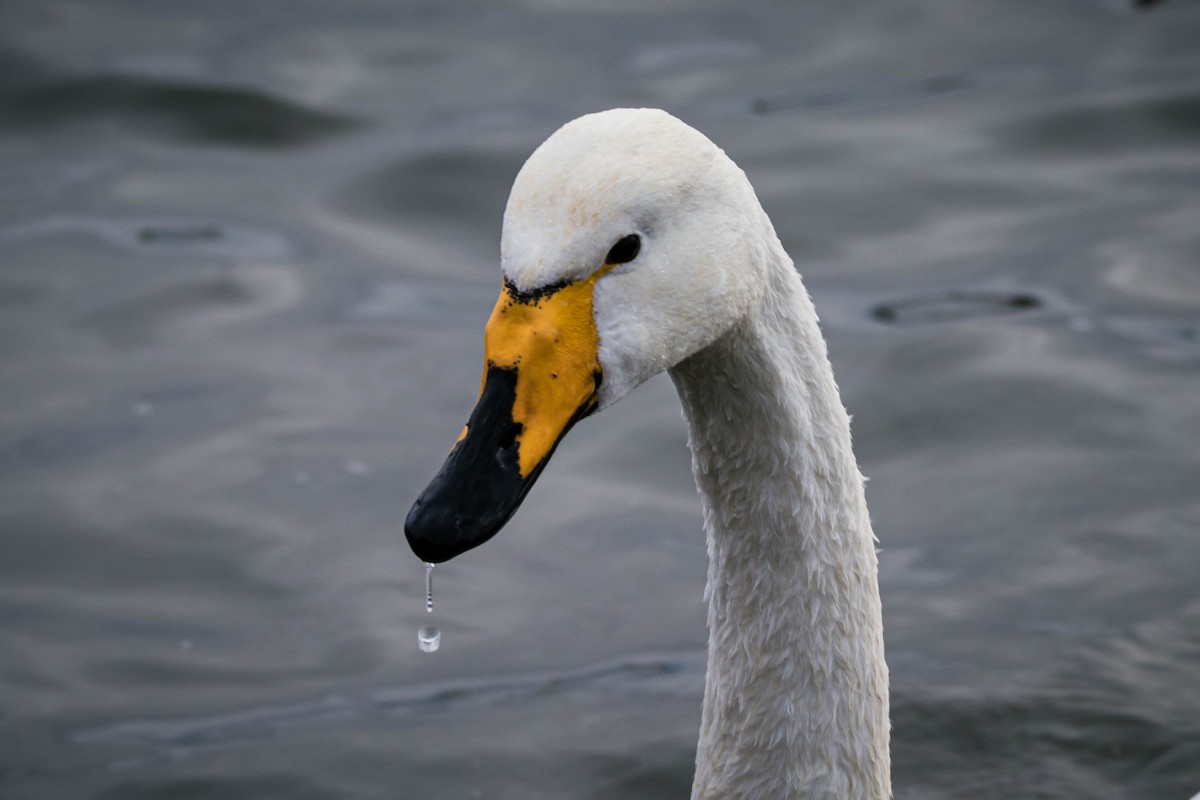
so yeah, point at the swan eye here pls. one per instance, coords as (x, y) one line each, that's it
(625, 250)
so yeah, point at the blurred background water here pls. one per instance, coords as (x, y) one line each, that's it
(246, 254)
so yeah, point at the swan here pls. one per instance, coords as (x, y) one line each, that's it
(632, 244)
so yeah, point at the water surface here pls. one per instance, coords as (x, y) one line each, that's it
(246, 253)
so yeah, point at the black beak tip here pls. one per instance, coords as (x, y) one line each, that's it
(480, 485)
(433, 534)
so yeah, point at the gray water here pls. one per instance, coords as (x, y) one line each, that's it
(246, 254)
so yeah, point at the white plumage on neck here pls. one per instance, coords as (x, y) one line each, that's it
(796, 702)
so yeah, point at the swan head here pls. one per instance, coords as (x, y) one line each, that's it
(630, 242)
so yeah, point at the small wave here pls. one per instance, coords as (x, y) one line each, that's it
(1108, 127)
(954, 305)
(172, 111)
(159, 741)
(880, 92)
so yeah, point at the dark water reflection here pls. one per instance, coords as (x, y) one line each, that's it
(175, 112)
(246, 251)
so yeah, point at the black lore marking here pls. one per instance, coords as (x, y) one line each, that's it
(537, 293)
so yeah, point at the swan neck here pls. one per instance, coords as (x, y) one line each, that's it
(796, 702)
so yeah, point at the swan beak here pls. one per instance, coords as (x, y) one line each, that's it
(541, 375)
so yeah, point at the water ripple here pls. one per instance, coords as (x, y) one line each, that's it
(162, 741)
(172, 111)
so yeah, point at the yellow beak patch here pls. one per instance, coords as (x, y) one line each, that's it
(541, 375)
(549, 338)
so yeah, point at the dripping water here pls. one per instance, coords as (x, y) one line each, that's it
(429, 637)
(429, 587)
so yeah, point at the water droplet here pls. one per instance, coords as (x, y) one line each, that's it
(429, 638)
(429, 587)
